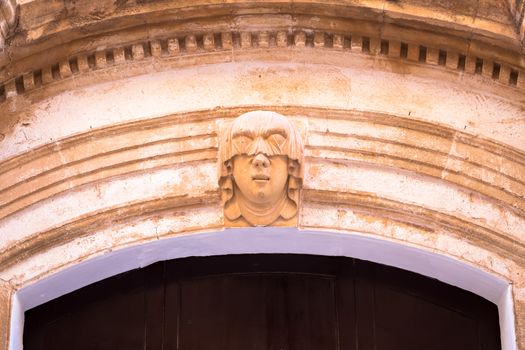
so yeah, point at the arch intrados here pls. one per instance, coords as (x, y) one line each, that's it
(269, 240)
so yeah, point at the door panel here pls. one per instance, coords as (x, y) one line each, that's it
(407, 322)
(311, 311)
(107, 315)
(237, 312)
(277, 311)
(412, 312)
(263, 301)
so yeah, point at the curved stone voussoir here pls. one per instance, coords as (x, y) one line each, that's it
(423, 219)
(91, 222)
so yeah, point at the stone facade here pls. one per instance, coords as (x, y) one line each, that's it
(411, 113)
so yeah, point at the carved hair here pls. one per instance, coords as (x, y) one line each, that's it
(257, 123)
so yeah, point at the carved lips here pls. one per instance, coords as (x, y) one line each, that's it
(260, 178)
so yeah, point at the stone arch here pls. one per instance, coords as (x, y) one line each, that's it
(269, 240)
(413, 133)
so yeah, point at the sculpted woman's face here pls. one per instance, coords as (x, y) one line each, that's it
(261, 179)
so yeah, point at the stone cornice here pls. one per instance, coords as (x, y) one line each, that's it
(42, 21)
(166, 44)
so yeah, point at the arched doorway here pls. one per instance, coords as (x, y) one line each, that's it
(265, 301)
(411, 115)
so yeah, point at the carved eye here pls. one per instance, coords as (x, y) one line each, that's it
(277, 139)
(242, 141)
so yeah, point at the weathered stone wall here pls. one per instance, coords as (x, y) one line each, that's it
(413, 132)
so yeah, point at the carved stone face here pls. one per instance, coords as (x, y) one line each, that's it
(261, 179)
(260, 170)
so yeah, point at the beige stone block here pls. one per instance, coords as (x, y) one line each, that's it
(375, 46)
(173, 46)
(356, 43)
(6, 293)
(504, 74)
(10, 89)
(29, 81)
(191, 43)
(246, 40)
(47, 75)
(319, 39)
(520, 316)
(452, 60)
(227, 42)
(65, 69)
(432, 56)
(339, 41)
(100, 59)
(394, 48)
(488, 68)
(208, 41)
(156, 49)
(137, 51)
(119, 55)
(521, 79)
(299, 39)
(413, 52)
(470, 64)
(82, 62)
(282, 39)
(263, 40)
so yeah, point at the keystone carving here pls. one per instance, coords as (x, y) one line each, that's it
(261, 156)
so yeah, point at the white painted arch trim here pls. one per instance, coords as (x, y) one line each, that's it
(269, 240)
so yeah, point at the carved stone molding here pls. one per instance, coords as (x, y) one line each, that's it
(44, 174)
(209, 47)
(422, 219)
(84, 226)
(517, 8)
(7, 20)
(485, 166)
(99, 156)
(261, 161)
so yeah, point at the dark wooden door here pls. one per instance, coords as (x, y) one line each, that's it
(265, 302)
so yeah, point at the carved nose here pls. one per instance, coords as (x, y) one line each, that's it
(261, 161)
